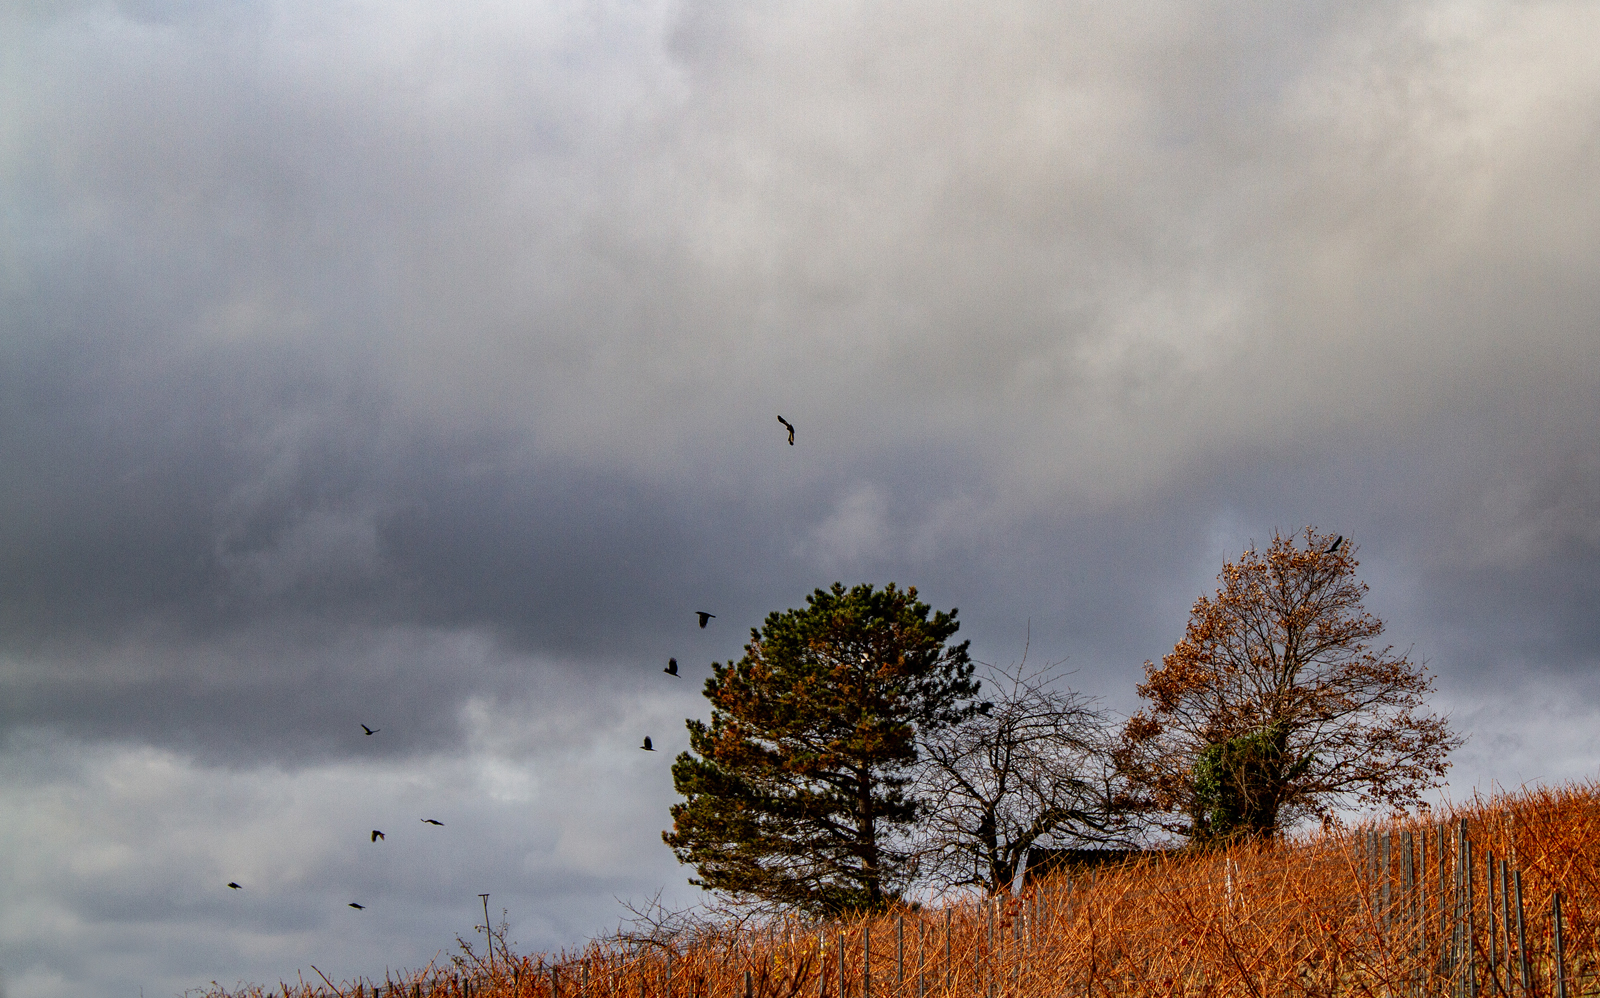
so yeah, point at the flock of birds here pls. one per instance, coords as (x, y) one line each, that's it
(377, 834)
(671, 670)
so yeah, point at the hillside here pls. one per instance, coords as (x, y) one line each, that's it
(1410, 907)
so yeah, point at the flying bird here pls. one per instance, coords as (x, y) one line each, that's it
(788, 426)
(704, 617)
(672, 667)
(376, 835)
(1335, 545)
(358, 907)
(235, 886)
(430, 821)
(370, 731)
(647, 746)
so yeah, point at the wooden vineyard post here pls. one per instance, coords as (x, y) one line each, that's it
(1505, 919)
(748, 988)
(1561, 963)
(899, 952)
(1522, 938)
(988, 956)
(1456, 919)
(1472, 927)
(1422, 898)
(1384, 867)
(841, 964)
(866, 960)
(1408, 883)
(1012, 947)
(1445, 910)
(1463, 957)
(1368, 852)
(922, 958)
(1467, 920)
(947, 971)
(1488, 902)
(555, 982)
(822, 965)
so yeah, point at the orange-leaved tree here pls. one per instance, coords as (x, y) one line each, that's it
(1276, 706)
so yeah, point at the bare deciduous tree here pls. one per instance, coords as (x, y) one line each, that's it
(1032, 770)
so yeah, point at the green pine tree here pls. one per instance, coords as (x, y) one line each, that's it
(795, 794)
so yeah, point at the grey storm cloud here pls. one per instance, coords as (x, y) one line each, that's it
(417, 367)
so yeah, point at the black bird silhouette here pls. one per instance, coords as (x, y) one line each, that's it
(370, 731)
(704, 617)
(430, 821)
(376, 835)
(235, 886)
(359, 907)
(647, 746)
(788, 426)
(672, 667)
(1335, 545)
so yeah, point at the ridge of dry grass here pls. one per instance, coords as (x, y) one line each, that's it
(1302, 917)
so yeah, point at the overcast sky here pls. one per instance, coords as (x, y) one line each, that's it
(415, 365)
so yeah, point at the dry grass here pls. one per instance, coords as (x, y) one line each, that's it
(1301, 918)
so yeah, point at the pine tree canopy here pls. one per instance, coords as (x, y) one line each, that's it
(795, 794)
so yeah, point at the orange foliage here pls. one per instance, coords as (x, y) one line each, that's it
(1283, 653)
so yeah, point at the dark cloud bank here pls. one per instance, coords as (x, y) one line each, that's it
(421, 372)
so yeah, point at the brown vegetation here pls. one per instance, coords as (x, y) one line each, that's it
(1276, 706)
(1303, 917)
